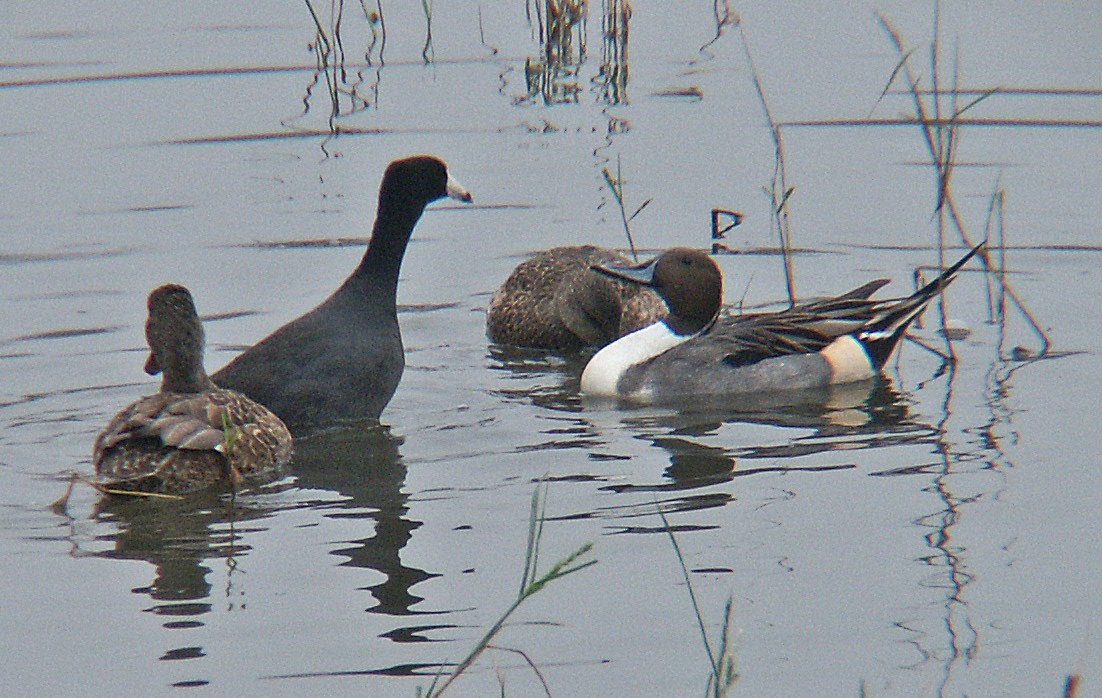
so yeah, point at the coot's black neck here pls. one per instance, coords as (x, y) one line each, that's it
(377, 275)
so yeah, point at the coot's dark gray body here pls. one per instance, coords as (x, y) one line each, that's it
(343, 359)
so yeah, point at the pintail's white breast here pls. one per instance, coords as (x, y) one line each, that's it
(602, 374)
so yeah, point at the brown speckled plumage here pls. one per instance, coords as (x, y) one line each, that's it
(192, 435)
(555, 301)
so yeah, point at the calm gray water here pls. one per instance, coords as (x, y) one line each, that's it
(936, 534)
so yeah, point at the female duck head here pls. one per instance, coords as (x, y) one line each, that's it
(688, 280)
(175, 337)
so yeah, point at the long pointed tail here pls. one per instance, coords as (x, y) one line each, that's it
(882, 333)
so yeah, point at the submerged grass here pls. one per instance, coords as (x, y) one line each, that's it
(531, 583)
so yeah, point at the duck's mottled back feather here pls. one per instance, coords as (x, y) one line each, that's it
(175, 442)
(554, 301)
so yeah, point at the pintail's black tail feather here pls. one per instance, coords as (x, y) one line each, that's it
(880, 335)
(864, 291)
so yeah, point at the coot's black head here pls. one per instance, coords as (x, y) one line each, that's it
(418, 181)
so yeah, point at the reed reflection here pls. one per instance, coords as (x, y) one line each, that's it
(976, 447)
(553, 75)
(611, 82)
(947, 557)
(347, 88)
(962, 450)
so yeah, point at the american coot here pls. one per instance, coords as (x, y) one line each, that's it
(694, 352)
(553, 301)
(343, 359)
(192, 434)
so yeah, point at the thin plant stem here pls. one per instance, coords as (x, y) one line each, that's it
(616, 186)
(531, 665)
(927, 127)
(692, 594)
(535, 534)
(427, 52)
(780, 191)
(994, 227)
(61, 504)
(317, 24)
(532, 583)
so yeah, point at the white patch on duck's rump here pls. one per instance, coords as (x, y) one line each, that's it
(849, 362)
(603, 372)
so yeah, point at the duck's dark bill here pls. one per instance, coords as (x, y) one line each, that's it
(151, 365)
(642, 274)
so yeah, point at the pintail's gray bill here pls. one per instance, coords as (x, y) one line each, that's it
(642, 274)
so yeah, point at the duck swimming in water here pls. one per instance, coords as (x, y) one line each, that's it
(696, 353)
(553, 301)
(193, 434)
(343, 360)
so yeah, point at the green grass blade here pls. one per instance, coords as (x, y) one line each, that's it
(692, 594)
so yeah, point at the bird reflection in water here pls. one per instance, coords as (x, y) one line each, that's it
(182, 538)
(365, 466)
(856, 416)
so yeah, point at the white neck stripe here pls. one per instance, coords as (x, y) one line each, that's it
(603, 372)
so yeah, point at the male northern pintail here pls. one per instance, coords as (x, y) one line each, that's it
(694, 352)
(192, 434)
(553, 301)
(343, 359)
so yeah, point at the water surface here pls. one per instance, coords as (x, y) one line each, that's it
(933, 534)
